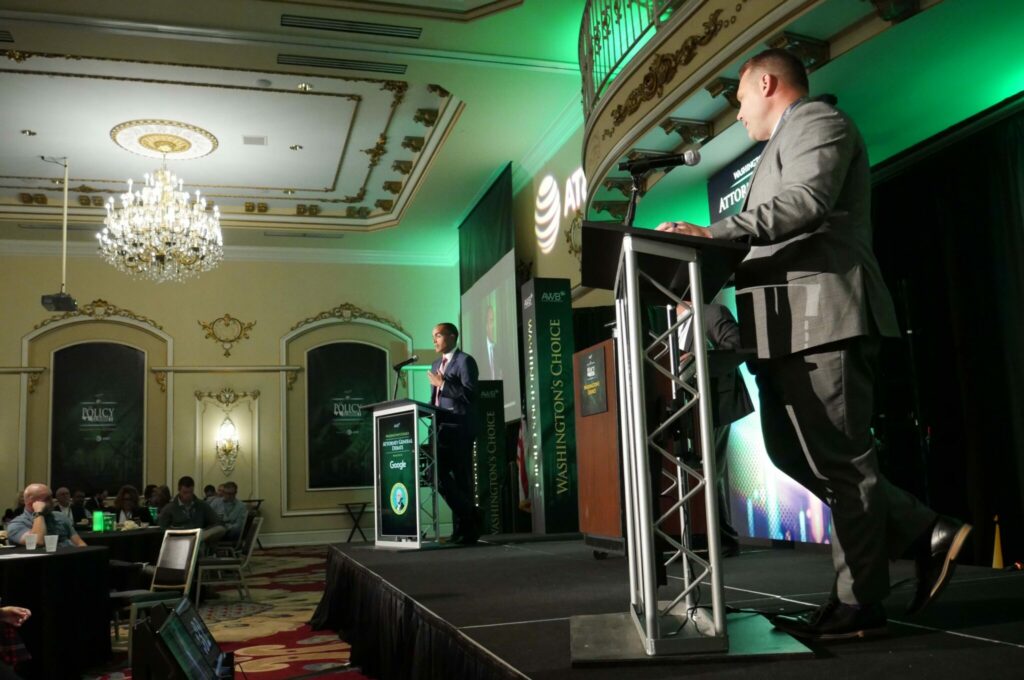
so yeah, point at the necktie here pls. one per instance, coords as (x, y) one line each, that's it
(437, 395)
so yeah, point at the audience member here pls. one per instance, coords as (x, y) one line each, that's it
(63, 505)
(160, 497)
(97, 501)
(186, 511)
(40, 519)
(127, 506)
(209, 492)
(147, 494)
(19, 507)
(231, 511)
(12, 649)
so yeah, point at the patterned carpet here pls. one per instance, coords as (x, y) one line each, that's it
(270, 636)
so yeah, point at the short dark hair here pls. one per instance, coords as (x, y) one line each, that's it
(230, 486)
(781, 64)
(449, 328)
(209, 488)
(187, 481)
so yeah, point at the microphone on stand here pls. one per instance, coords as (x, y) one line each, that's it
(642, 165)
(402, 364)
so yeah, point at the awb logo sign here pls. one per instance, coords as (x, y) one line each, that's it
(553, 297)
(551, 206)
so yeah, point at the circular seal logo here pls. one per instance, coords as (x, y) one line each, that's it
(399, 498)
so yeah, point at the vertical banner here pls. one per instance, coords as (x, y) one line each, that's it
(398, 503)
(98, 421)
(490, 467)
(550, 411)
(341, 377)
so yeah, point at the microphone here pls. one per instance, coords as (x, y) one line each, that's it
(642, 165)
(402, 364)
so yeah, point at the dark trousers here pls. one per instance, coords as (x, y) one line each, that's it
(455, 474)
(816, 409)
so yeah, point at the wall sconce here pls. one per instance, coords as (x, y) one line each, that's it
(227, 446)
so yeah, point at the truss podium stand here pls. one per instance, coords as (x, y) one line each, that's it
(648, 268)
(405, 465)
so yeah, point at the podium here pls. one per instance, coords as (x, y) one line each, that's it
(404, 465)
(645, 267)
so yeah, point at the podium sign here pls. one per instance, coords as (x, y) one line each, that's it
(398, 493)
(404, 474)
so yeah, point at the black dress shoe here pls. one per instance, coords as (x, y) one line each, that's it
(937, 560)
(835, 621)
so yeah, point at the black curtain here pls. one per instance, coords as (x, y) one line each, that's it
(949, 232)
(487, 233)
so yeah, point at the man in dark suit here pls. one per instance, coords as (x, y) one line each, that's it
(453, 377)
(730, 402)
(812, 301)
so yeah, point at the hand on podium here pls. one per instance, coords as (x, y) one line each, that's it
(685, 228)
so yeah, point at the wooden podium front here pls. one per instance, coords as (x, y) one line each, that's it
(598, 465)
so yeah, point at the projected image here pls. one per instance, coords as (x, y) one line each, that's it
(766, 503)
(489, 331)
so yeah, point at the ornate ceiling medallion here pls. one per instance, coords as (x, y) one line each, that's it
(160, 138)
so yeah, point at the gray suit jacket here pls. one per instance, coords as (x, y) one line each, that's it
(811, 277)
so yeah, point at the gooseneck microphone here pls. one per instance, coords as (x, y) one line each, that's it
(402, 364)
(642, 165)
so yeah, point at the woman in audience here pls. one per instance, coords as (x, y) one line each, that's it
(161, 497)
(126, 505)
(147, 494)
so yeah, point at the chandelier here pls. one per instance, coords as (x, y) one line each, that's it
(158, 233)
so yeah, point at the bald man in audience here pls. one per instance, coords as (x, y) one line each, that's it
(40, 519)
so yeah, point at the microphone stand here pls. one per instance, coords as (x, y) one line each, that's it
(636, 192)
(398, 375)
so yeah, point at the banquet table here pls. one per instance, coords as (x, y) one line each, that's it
(67, 592)
(130, 545)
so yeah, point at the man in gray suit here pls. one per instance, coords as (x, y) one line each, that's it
(812, 301)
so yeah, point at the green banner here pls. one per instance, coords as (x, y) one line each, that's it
(341, 377)
(550, 415)
(490, 466)
(398, 502)
(98, 419)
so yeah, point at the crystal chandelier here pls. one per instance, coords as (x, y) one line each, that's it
(157, 233)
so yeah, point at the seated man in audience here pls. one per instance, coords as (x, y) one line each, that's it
(40, 519)
(63, 505)
(185, 511)
(209, 492)
(231, 510)
(78, 505)
(98, 501)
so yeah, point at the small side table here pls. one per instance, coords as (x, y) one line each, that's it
(356, 512)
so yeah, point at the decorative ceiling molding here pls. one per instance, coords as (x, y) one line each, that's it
(227, 397)
(477, 10)
(335, 45)
(380, 110)
(99, 310)
(347, 312)
(227, 331)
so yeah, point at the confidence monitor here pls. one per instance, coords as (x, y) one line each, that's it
(191, 645)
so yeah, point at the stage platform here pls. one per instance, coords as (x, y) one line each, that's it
(502, 610)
